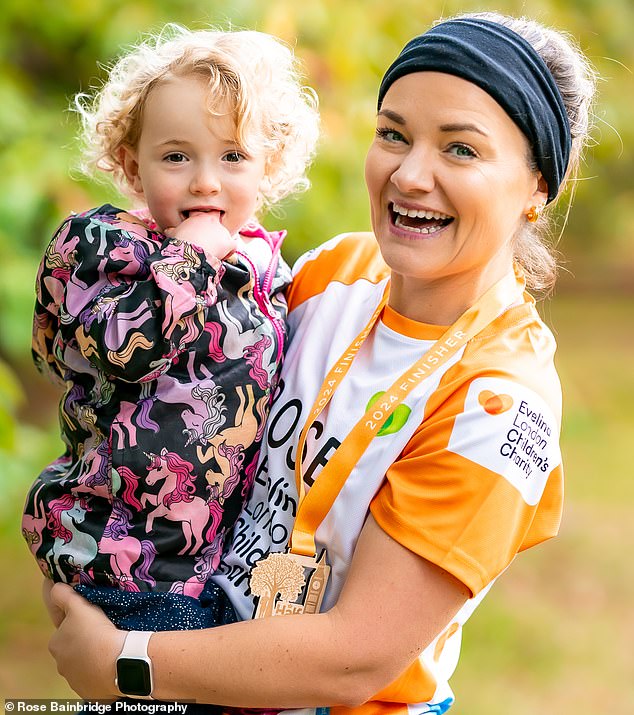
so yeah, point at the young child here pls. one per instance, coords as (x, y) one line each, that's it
(167, 324)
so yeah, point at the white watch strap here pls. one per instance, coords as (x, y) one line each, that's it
(135, 644)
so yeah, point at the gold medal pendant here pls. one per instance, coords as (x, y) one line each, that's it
(287, 583)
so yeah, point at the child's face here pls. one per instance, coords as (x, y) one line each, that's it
(187, 159)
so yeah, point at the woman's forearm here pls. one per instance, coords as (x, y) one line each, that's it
(279, 662)
(378, 627)
(294, 661)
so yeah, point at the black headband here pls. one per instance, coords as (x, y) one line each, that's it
(504, 65)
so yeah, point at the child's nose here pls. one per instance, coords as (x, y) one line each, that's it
(205, 181)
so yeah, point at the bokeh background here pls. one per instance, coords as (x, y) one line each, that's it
(556, 634)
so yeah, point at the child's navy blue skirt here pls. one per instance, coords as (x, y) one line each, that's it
(160, 611)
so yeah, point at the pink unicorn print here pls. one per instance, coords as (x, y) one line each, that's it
(237, 339)
(205, 409)
(222, 483)
(126, 551)
(176, 500)
(244, 430)
(61, 252)
(76, 547)
(179, 262)
(206, 563)
(202, 428)
(131, 415)
(254, 355)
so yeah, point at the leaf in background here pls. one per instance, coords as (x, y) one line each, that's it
(10, 397)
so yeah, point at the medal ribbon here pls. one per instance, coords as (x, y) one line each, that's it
(314, 505)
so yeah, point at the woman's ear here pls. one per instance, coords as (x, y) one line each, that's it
(130, 165)
(540, 195)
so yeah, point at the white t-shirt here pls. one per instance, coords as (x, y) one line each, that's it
(466, 474)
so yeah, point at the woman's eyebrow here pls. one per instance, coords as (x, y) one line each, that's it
(393, 116)
(463, 128)
(453, 127)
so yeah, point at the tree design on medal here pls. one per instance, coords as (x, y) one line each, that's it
(275, 575)
(279, 579)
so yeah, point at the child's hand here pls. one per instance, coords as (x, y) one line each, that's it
(204, 229)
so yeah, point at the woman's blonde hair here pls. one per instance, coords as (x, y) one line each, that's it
(576, 79)
(254, 74)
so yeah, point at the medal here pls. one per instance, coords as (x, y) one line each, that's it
(287, 583)
(294, 581)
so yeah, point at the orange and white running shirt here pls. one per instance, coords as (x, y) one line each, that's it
(466, 472)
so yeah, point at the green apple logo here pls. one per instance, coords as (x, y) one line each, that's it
(395, 421)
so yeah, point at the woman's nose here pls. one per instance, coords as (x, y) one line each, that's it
(415, 172)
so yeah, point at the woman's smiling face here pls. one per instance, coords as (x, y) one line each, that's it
(449, 182)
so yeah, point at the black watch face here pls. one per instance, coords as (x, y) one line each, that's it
(133, 676)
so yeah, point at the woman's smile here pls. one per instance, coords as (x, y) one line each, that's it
(417, 222)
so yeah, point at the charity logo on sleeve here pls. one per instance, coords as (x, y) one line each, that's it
(508, 429)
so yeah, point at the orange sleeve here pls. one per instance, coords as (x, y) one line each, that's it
(346, 259)
(472, 488)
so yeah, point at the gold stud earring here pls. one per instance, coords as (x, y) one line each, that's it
(533, 213)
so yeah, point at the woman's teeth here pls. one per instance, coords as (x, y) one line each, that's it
(417, 213)
(419, 220)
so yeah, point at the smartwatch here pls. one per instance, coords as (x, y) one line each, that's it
(134, 667)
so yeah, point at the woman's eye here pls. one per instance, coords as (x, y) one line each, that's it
(389, 135)
(176, 157)
(463, 151)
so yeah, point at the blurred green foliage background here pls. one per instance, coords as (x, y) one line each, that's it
(556, 633)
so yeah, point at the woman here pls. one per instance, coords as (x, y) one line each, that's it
(420, 391)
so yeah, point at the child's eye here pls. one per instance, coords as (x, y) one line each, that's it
(389, 135)
(233, 157)
(175, 157)
(462, 151)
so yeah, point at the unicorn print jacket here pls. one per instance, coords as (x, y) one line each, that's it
(169, 359)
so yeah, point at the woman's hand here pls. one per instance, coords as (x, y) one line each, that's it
(85, 645)
(56, 614)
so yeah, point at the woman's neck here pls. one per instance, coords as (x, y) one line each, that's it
(442, 301)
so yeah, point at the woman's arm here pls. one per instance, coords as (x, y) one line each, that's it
(394, 604)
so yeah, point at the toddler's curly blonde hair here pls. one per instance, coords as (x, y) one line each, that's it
(253, 73)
